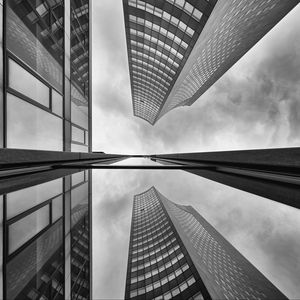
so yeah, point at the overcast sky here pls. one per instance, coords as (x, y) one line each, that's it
(254, 105)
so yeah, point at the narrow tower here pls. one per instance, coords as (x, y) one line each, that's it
(177, 49)
(174, 253)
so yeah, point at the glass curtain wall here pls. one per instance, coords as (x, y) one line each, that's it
(79, 75)
(34, 74)
(35, 241)
(46, 104)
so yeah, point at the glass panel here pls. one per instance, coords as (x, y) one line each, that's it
(57, 208)
(79, 195)
(57, 103)
(77, 134)
(77, 178)
(79, 148)
(37, 39)
(27, 84)
(30, 274)
(29, 127)
(80, 63)
(79, 201)
(24, 229)
(19, 201)
(79, 115)
(86, 137)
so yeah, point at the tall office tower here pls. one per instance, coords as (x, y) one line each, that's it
(174, 253)
(160, 37)
(178, 48)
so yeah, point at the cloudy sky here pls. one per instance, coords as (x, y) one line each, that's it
(254, 105)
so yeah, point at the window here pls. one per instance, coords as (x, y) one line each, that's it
(175, 292)
(182, 26)
(22, 200)
(180, 3)
(183, 286)
(188, 7)
(156, 284)
(27, 84)
(133, 280)
(168, 296)
(57, 103)
(43, 130)
(197, 14)
(57, 208)
(23, 230)
(133, 293)
(77, 134)
(191, 280)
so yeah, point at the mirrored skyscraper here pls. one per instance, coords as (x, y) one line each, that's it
(178, 48)
(174, 253)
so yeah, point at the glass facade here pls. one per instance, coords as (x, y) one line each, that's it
(35, 241)
(230, 32)
(174, 253)
(159, 266)
(47, 66)
(80, 74)
(162, 34)
(160, 37)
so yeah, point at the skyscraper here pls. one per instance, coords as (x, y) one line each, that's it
(174, 253)
(178, 48)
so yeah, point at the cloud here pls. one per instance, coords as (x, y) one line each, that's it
(254, 105)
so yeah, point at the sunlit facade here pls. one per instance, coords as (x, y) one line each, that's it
(174, 253)
(178, 48)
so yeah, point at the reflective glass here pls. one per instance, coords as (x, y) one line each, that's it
(79, 148)
(57, 208)
(77, 134)
(29, 127)
(77, 178)
(79, 115)
(24, 229)
(21, 200)
(27, 84)
(32, 272)
(57, 103)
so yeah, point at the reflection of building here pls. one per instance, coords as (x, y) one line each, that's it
(175, 253)
(36, 262)
(178, 49)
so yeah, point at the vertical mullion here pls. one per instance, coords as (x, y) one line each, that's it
(67, 75)
(67, 147)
